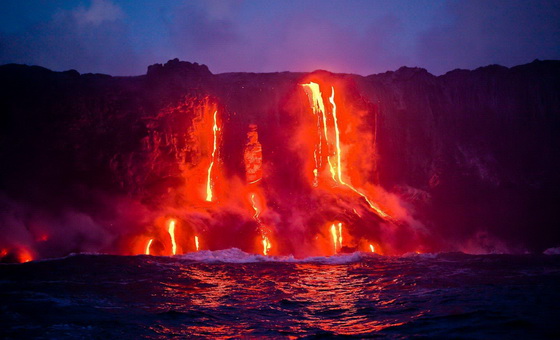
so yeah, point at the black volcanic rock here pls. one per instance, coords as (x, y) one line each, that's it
(472, 151)
(175, 67)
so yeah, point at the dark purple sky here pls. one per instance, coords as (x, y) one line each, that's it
(356, 36)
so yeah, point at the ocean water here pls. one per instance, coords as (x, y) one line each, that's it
(231, 294)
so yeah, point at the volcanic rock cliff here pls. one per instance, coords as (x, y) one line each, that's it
(472, 155)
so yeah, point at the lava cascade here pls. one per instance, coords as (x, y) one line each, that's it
(332, 132)
(267, 205)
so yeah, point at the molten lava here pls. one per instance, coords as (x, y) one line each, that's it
(25, 256)
(336, 234)
(148, 246)
(255, 208)
(280, 197)
(340, 235)
(215, 129)
(266, 245)
(171, 231)
(318, 108)
(253, 174)
(337, 137)
(334, 238)
(263, 230)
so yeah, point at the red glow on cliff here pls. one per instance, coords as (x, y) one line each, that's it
(304, 189)
(331, 130)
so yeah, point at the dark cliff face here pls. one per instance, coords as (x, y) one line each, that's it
(475, 154)
(482, 143)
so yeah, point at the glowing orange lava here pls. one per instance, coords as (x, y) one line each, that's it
(334, 238)
(295, 202)
(266, 245)
(171, 230)
(262, 229)
(318, 108)
(337, 138)
(336, 234)
(316, 101)
(215, 129)
(257, 212)
(340, 235)
(148, 246)
(253, 173)
(24, 256)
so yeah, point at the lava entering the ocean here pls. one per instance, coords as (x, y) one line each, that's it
(267, 186)
(171, 231)
(215, 129)
(335, 167)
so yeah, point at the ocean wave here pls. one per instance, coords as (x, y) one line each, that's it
(235, 255)
(421, 255)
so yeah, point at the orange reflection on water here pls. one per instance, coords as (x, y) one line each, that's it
(218, 286)
(235, 300)
(332, 299)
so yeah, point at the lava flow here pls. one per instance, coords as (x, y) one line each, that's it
(336, 233)
(268, 163)
(264, 183)
(171, 230)
(263, 230)
(215, 129)
(147, 252)
(263, 188)
(253, 173)
(335, 167)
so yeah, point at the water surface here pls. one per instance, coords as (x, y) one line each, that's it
(232, 294)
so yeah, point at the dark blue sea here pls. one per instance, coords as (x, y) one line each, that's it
(231, 294)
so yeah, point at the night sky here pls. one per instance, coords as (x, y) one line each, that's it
(355, 36)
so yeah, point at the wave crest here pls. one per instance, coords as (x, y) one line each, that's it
(235, 255)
